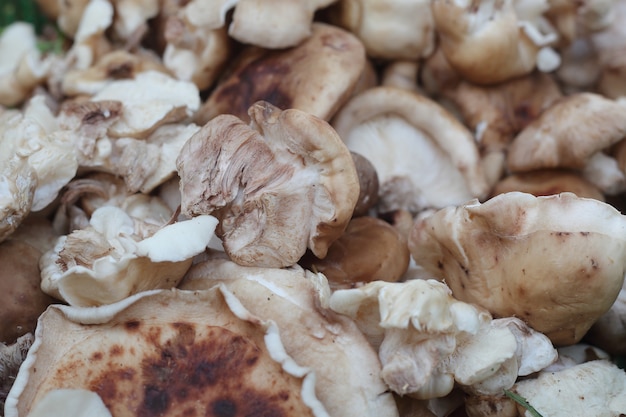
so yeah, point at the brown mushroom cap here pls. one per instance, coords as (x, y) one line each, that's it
(370, 249)
(199, 351)
(23, 299)
(278, 186)
(316, 76)
(556, 262)
(368, 185)
(568, 133)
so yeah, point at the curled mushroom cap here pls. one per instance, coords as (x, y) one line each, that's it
(424, 157)
(346, 367)
(316, 76)
(161, 351)
(108, 261)
(278, 186)
(597, 387)
(556, 262)
(392, 29)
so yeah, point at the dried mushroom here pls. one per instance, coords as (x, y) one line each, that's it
(111, 259)
(11, 358)
(280, 185)
(298, 77)
(423, 156)
(556, 262)
(347, 371)
(160, 351)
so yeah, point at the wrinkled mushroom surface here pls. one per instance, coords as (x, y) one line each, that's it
(280, 185)
(557, 262)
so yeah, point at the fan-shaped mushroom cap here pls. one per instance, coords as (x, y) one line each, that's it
(556, 262)
(278, 186)
(424, 157)
(316, 76)
(162, 351)
(347, 369)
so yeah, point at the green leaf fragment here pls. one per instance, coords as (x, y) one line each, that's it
(523, 402)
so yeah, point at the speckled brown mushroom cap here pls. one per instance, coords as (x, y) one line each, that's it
(278, 186)
(556, 262)
(316, 76)
(166, 353)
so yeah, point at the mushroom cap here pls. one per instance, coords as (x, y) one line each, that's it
(557, 262)
(484, 42)
(368, 185)
(347, 369)
(278, 186)
(548, 182)
(424, 157)
(597, 387)
(317, 76)
(568, 133)
(609, 332)
(162, 351)
(396, 29)
(20, 288)
(369, 250)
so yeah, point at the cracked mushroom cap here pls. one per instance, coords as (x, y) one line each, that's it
(557, 262)
(424, 157)
(316, 76)
(165, 351)
(346, 367)
(279, 185)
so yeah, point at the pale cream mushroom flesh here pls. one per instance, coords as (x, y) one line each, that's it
(423, 156)
(280, 185)
(556, 262)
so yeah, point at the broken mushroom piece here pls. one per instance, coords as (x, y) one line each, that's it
(316, 76)
(556, 262)
(281, 185)
(428, 340)
(369, 250)
(424, 157)
(161, 351)
(597, 387)
(573, 133)
(111, 259)
(346, 367)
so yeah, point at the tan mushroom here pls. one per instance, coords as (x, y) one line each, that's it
(390, 29)
(609, 332)
(572, 133)
(284, 183)
(556, 262)
(162, 351)
(548, 182)
(346, 367)
(487, 42)
(424, 157)
(316, 76)
(370, 249)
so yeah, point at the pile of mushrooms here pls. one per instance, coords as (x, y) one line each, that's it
(318, 208)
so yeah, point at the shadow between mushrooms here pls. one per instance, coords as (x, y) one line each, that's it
(279, 185)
